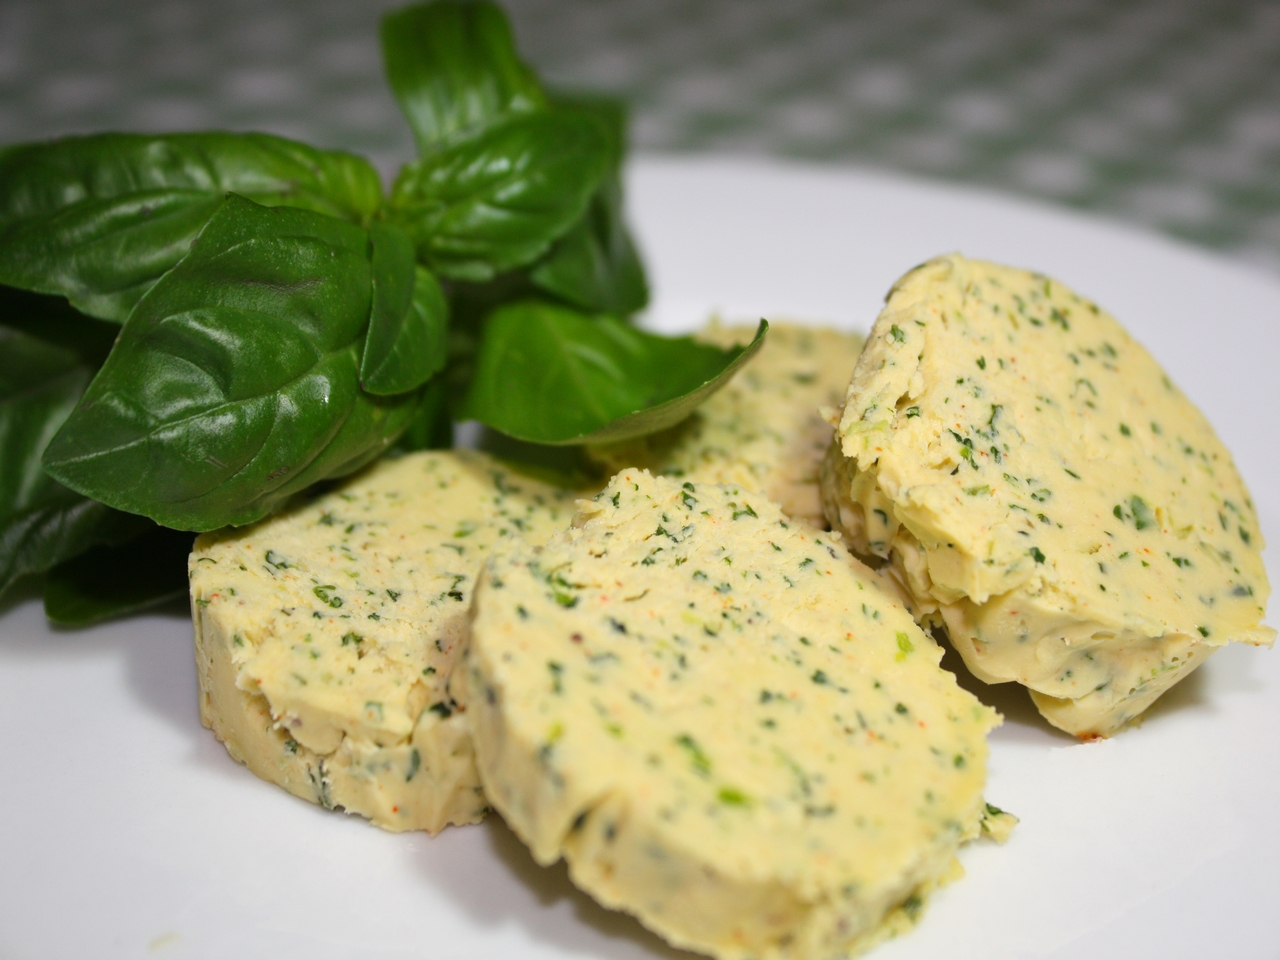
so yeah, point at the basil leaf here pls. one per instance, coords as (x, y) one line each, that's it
(596, 266)
(453, 68)
(98, 219)
(54, 321)
(112, 581)
(549, 374)
(41, 521)
(408, 326)
(235, 382)
(499, 200)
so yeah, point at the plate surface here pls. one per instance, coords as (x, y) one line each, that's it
(127, 831)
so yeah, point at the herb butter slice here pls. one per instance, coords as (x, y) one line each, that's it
(1037, 482)
(721, 723)
(762, 430)
(325, 635)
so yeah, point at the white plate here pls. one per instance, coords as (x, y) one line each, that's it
(127, 831)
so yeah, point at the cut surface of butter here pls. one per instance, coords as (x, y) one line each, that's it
(721, 723)
(1037, 483)
(762, 430)
(325, 635)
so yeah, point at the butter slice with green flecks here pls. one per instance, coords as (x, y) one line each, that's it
(1038, 483)
(717, 718)
(762, 430)
(325, 635)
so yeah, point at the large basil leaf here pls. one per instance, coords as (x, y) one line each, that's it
(498, 201)
(112, 581)
(454, 69)
(235, 382)
(98, 219)
(549, 374)
(408, 325)
(41, 521)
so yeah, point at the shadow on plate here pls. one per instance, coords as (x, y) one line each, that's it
(506, 886)
(153, 648)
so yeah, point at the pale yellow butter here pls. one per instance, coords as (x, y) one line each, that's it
(1036, 482)
(721, 723)
(762, 430)
(325, 635)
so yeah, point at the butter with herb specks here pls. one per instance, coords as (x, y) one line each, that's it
(325, 635)
(722, 724)
(1037, 483)
(762, 430)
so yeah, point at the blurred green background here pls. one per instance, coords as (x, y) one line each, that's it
(1165, 112)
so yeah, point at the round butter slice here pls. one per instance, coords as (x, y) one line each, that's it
(762, 430)
(1036, 481)
(325, 635)
(721, 723)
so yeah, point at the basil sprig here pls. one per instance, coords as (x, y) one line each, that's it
(196, 327)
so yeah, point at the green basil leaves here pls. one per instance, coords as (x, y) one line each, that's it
(498, 201)
(42, 522)
(112, 581)
(196, 327)
(590, 380)
(408, 326)
(596, 266)
(98, 219)
(454, 69)
(505, 172)
(235, 383)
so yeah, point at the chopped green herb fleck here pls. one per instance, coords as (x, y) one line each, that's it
(701, 762)
(332, 599)
(733, 797)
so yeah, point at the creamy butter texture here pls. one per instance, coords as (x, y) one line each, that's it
(762, 430)
(721, 723)
(325, 635)
(1036, 482)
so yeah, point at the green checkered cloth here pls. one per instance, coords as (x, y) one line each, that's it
(1159, 112)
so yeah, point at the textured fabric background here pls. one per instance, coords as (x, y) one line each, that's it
(1163, 112)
